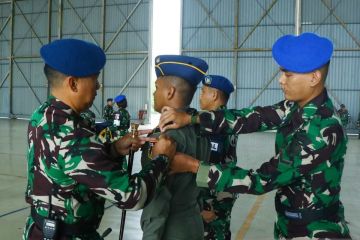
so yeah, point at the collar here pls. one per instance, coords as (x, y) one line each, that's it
(307, 112)
(311, 108)
(222, 107)
(58, 104)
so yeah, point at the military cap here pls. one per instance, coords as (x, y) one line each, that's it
(219, 82)
(302, 54)
(109, 99)
(188, 68)
(74, 57)
(120, 98)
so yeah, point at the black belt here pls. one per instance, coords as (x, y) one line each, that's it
(303, 216)
(76, 229)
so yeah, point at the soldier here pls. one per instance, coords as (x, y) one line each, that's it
(121, 116)
(344, 115)
(217, 208)
(174, 212)
(108, 114)
(70, 173)
(310, 144)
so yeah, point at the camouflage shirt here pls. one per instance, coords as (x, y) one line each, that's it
(121, 123)
(108, 114)
(223, 150)
(306, 169)
(68, 164)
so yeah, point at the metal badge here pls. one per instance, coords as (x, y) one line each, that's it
(208, 80)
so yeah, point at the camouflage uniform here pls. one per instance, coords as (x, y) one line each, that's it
(223, 150)
(121, 123)
(306, 170)
(68, 166)
(344, 116)
(108, 113)
(89, 118)
(174, 213)
(115, 132)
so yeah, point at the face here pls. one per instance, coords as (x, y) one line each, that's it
(110, 103)
(206, 98)
(297, 86)
(160, 93)
(86, 92)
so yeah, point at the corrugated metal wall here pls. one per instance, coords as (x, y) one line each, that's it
(235, 37)
(121, 28)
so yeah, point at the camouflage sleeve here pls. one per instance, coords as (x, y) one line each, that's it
(305, 153)
(246, 120)
(86, 161)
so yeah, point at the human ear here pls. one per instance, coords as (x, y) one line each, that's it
(171, 92)
(214, 94)
(73, 83)
(316, 78)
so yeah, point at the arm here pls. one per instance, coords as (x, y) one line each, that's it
(87, 162)
(232, 121)
(305, 153)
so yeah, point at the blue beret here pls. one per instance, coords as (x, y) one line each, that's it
(302, 54)
(188, 68)
(119, 98)
(74, 57)
(219, 82)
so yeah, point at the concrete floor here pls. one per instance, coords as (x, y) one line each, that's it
(252, 216)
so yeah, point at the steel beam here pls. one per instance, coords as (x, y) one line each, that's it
(11, 60)
(235, 44)
(28, 22)
(60, 18)
(133, 75)
(258, 23)
(28, 83)
(103, 39)
(342, 24)
(122, 26)
(49, 39)
(201, 24)
(297, 17)
(264, 87)
(82, 22)
(217, 25)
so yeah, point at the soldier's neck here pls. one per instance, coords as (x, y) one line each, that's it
(177, 105)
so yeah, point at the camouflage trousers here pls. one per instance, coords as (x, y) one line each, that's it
(219, 228)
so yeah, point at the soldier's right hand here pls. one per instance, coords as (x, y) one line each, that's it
(164, 145)
(128, 142)
(173, 119)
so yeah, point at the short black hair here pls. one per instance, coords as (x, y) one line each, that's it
(324, 70)
(223, 96)
(53, 76)
(185, 89)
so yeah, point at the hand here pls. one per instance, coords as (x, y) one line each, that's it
(127, 142)
(172, 119)
(165, 145)
(208, 216)
(184, 163)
